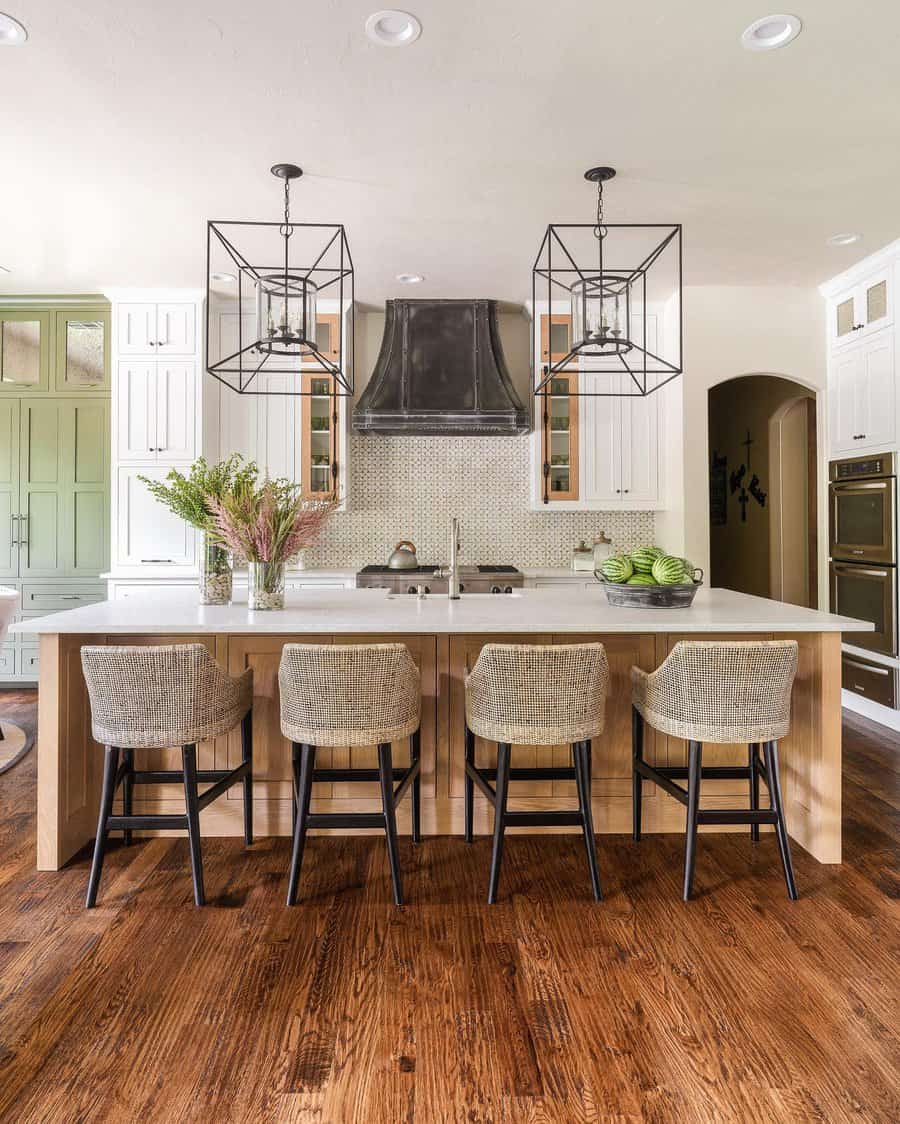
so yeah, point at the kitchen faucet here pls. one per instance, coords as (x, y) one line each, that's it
(453, 575)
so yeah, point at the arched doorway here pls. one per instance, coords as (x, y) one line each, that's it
(763, 493)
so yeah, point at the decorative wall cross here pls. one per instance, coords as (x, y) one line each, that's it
(738, 478)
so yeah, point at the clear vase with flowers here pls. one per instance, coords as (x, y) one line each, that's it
(268, 526)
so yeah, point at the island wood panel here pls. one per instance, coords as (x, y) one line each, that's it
(70, 762)
(810, 756)
(272, 752)
(149, 798)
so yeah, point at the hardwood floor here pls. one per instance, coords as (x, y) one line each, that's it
(739, 1006)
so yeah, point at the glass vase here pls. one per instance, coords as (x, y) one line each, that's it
(216, 573)
(265, 585)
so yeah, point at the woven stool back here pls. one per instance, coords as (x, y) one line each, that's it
(538, 694)
(720, 691)
(161, 695)
(348, 694)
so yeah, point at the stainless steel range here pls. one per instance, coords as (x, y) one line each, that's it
(436, 579)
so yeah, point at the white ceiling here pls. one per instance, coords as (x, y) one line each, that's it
(127, 124)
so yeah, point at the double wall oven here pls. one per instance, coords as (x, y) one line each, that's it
(862, 499)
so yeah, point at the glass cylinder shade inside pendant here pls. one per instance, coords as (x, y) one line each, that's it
(285, 313)
(601, 314)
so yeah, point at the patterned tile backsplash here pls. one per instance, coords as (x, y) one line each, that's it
(410, 488)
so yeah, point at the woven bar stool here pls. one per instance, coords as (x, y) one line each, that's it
(535, 694)
(726, 692)
(154, 698)
(351, 695)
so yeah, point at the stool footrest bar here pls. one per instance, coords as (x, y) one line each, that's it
(345, 819)
(542, 819)
(146, 822)
(323, 775)
(735, 816)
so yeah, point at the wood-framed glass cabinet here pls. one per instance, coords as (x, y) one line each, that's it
(558, 411)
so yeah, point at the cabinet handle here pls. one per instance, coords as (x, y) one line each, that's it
(69, 597)
(153, 343)
(157, 559)
(161, 343)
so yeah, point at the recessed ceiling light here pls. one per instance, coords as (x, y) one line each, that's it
(843, 239)
(410, 278)
(225, 278)
(12, 33)
(770, 32)
(392, 28)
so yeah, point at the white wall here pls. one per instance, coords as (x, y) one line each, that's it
(741, 330)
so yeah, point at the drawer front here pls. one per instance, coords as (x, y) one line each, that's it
(55, 598)
(137, 591)
(7, 661)
(870, 680)
(28, 663)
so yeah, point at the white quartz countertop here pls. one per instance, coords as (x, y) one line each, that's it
(573, 610)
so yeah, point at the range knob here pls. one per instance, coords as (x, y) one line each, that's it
(496, 589)
(417, 588)
(508, 589)
(411, 589)
(462, 588)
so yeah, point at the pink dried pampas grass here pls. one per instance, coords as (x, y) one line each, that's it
(269, 524)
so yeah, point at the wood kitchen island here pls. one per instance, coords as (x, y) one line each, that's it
(444, 638)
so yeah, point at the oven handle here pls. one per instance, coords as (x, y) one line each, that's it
(877, 485)
(855, 568)
(868, 667)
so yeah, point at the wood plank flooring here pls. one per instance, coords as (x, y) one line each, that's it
(739, 1006)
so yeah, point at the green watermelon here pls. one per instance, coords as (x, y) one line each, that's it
(669, 570)
(642, 579)
(616, 569)
(643, 558)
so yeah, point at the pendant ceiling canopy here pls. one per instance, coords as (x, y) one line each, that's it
(266, 282)
(619, 288)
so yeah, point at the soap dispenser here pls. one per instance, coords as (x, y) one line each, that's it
(603, 549)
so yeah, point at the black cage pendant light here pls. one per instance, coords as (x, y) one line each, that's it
(266, 283)
(618, 287)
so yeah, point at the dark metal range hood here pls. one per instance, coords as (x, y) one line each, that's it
(441, 371)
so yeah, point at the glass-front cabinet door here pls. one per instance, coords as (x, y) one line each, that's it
(559, 415)
(24, 351)
(328, 340)
(82, 351)
(866, 308)
(556, 336)
(319, 439)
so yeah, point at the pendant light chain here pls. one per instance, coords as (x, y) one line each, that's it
(287, 230)
(600, 229)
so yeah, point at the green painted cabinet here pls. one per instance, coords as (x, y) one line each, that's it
(63, 487)
(59, 495)
(9, 487)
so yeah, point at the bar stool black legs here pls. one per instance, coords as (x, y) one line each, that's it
(773, 780)
(191, 803)
(501, 796)
(695, 758)
(579, 771)
(190, 777)
(306, 774)
(110, 779)
(665, 777)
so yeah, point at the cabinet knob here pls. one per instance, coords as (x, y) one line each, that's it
(153, 343)
(161, 343)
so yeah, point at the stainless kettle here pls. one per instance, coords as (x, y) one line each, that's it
(404, 556)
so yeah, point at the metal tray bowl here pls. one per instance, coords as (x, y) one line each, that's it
(650, 596)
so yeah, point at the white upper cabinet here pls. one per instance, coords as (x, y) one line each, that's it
(861, 310)
(863, 395)
(156, 411)
(148, 534)
(157, 328)
(640, 449)
(136, 329)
